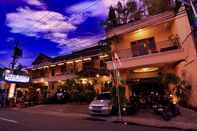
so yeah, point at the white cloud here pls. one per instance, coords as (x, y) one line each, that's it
(80, 43)
(94, 8)
(31, 22)
(36, 3)
(77, 19)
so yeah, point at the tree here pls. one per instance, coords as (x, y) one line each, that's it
(112, 20)
(156, 6)
(131, 10)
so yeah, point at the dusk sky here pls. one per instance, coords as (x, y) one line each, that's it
(52, 27)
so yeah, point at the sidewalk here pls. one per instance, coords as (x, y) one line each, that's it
(187, 120)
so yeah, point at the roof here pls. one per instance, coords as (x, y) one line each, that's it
(82, 53)
(144, 22)
(41, 58)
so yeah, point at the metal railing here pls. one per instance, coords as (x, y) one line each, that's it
(163, 46)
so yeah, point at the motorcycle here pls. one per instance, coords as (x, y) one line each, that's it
(163, 106)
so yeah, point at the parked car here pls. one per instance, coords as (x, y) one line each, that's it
(101, 105)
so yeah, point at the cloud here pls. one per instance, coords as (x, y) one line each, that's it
(72, 44)
(36, 3)
(80, 43)
(94, 8)
(32, 22)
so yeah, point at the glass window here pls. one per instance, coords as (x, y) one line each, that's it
(63, 68)
(143, 47)
(52, 71)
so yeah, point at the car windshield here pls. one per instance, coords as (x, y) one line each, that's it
(105, 96)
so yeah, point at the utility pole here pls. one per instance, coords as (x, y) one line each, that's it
(115, 63)
(17, 53)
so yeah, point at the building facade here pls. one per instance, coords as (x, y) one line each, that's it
(156, 44)
(86, 66)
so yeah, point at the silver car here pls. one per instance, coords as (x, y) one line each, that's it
(101, 105)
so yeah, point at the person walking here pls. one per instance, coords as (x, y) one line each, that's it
(1, 99)
(4, 98)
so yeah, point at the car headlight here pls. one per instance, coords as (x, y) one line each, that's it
(90, 107)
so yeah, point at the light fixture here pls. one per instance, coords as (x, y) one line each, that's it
(46, 67)
(52, 65)
(11, 90)
(104, 56)
(87, 59)
(97, 75)
(60, 64)
(145, 69)
(78, 61)
(84, 81)
(69, 62)
(7, 71)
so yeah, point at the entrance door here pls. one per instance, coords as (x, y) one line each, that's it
(143, 87)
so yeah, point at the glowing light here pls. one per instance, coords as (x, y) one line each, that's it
(52, 65)
(84, 81)
(146, 69)
(104, 56)
(17, 78)
(69, 62)
(78, 60)
(46, 67)
(7, 71)
(97, 75)
(60, 64)
(87, 59)
(11, 90)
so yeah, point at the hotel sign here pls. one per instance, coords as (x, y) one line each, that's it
(16, 78)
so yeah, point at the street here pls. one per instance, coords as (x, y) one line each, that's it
(22, 121)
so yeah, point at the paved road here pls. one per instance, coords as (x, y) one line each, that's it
(25, 121)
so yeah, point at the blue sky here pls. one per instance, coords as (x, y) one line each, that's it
(52, 27)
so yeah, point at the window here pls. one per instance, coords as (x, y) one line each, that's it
(102, 64)
(52, 71)
(63, 68)
(143, 47)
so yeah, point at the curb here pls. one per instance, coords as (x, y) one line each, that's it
(157, 124)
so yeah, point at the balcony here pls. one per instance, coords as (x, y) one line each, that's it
(166, 51)
(56, 78)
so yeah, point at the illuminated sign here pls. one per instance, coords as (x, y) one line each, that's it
(16, 78)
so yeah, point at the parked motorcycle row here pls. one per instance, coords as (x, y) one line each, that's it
(159, 104)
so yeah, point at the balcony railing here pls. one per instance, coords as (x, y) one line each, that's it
(163, 46)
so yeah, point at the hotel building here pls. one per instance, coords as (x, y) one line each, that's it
(87, 66)
(156, 44)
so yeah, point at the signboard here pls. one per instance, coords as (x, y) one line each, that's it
(16, 78)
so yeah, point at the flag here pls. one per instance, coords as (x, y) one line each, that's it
(117, 59)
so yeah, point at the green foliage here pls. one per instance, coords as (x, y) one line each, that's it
(168, 78)
(123, 99)
(79, 92)
(182, 87)
(156, 6)
(183, 92)
(131, 11)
